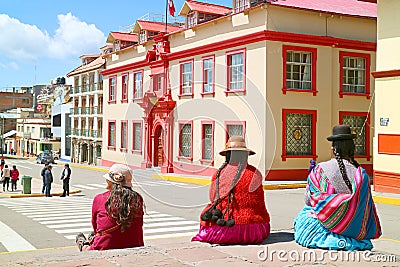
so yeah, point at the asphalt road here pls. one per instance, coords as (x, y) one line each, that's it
(172, 208)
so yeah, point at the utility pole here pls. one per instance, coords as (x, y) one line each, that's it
(2, 135)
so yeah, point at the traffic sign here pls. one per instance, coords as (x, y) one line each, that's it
(39, 108)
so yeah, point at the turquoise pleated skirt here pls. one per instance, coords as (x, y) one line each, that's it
(310, 233)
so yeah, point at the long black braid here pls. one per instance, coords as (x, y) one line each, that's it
(345, 149)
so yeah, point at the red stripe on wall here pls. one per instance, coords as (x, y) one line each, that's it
(285, 175)
(389, 144)
(387, 182)
(386, 74)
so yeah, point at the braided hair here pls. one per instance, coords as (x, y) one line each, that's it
(344, 149)
(123, 205)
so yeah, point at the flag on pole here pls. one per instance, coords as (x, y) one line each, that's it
(171, 7)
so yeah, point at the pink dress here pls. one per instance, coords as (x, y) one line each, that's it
(131, 237)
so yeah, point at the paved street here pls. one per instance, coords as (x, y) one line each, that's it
(41, 225)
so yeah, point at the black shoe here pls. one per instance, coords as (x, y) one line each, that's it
(81, 241)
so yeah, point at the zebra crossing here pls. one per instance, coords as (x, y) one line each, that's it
(69, 216)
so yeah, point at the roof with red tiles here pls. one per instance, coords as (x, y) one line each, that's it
(344, 7)
(154, 26)
(204, 8)
(95, 64)
(123, 36)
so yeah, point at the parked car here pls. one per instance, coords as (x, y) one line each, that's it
(56, 155)
(45, 157)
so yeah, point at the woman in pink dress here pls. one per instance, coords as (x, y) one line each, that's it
(117, 215)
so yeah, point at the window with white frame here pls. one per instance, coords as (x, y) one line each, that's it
(240, 5)
(125, 79)
(298, 70)
(137, 136)
(186, 78)
(142, 36)
(185, 140)
(207, 153)
(138, 84)
(112, 89)
(191, 19)
(236, 71)
(354, 70)
(208, 75)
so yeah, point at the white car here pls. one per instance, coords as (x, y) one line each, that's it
(56, 155)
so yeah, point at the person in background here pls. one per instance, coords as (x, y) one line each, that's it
(48, 179)
(14, 177)
(2, 163)
(237, 213)
(46, 165)
(65, 176)
(5, 175)
(117, 214)
(339, 212)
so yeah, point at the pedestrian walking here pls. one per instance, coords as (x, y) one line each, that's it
(236, 213)
(48, 179)
(117, 214)
(2, 163)
(339, 212)
(5, 175)
(65, 176)
(42, 174)
(14, 177)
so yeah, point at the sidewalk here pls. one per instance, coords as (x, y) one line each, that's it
(277, 250)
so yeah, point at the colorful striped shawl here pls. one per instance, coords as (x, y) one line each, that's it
(352, 215)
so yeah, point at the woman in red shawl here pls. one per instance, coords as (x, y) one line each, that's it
(237, 212)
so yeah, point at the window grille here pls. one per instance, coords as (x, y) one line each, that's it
(356, 124)
(186, 140)
(207, 142)
(298, 134)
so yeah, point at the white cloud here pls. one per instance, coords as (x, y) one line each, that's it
(27, 42)
(9, 65)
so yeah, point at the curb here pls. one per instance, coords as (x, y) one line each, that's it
(203, 181)
(387, 200)
(40, 195)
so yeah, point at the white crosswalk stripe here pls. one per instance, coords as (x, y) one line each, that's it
(69, 216)
(135, 183)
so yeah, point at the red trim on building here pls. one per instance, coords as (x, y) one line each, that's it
(228, 123)
(134, 83)
(313, 134)
(389, 144)
(109, 146)
(367, 131)
(181, 63)
(109, 163)
(228, 56)
(287, 174)
(264, 35)
(386, 74)
(367, 73)
(192, 169)
(202, 160)
(205, 77)
(388, 182)
(133, 136)
(125, 85)
(313, 52)
(180, 156)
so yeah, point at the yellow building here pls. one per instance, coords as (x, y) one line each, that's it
(387, 84)
(280, 73)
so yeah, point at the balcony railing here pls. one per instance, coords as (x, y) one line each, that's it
(86, 133)
(87, 88)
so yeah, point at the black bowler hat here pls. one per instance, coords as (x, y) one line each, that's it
(341, 132)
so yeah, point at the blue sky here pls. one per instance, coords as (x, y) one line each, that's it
(43, 39)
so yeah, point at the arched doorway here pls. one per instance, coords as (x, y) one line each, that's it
(158, 147)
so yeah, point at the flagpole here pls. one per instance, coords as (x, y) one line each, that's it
(166, 17)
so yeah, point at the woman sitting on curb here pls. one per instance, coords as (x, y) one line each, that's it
(117, 215)
(237, 212)
(339, 212)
